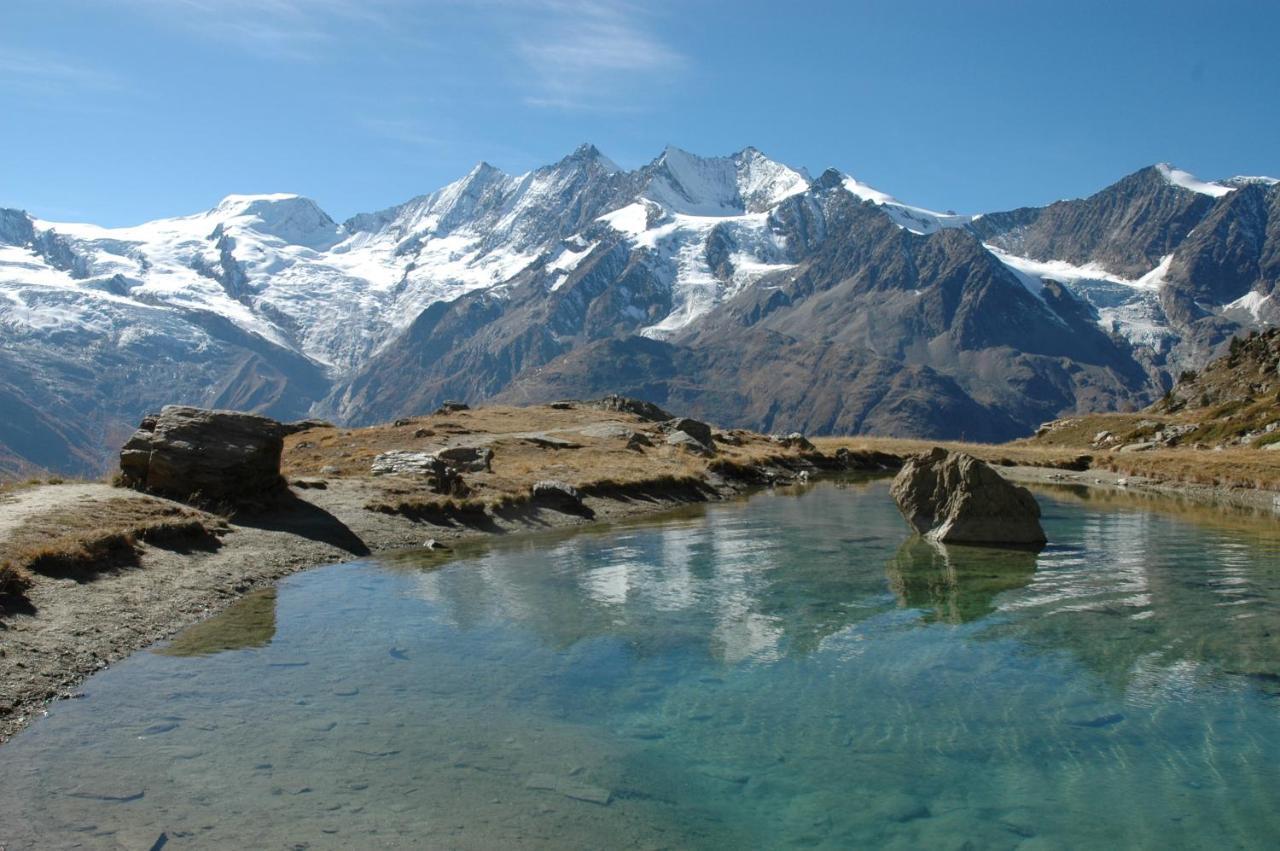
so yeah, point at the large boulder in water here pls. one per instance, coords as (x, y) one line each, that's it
(954, 498)
(186, 452)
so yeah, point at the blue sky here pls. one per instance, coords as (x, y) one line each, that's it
(119, 111)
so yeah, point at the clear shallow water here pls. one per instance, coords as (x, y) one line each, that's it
(790, 672)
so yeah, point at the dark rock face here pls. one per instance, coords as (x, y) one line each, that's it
(1127, 227)
(16, 228)
(1234, 251)
(187, 453)
(954, 498)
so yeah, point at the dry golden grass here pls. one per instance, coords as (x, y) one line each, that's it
(83, 539)
(1005, 454)
(13, 578)
(1231, 468)
(1235, 468)
(603, 465)
(12, 486)
(1079, 431)
(524, 443)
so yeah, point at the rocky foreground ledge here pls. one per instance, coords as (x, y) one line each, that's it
(216, 504)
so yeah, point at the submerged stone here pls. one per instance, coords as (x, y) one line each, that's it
(570, 788)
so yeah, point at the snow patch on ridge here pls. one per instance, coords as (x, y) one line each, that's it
(632, 219)
(1054, 270)
(1252, 302)
(566, 261)
(1068, 273)
(1125, 307)
(1187, 180)
(915, 219)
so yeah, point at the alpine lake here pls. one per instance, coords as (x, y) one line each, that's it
(791, 670)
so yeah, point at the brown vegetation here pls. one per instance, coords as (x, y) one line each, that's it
(1228, 468)
(1002, 454)
(82, 540)
(1237, 467)
(579, 444)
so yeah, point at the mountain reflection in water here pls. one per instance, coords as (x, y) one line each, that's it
(956, 584)
(795, 670)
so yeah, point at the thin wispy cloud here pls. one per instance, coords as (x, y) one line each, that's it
(48, 75)
(583, 54)
(285, 29)
(565, 54)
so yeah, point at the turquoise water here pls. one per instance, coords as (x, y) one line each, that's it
(793, 671)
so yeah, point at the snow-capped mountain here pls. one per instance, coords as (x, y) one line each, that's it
(715, 283)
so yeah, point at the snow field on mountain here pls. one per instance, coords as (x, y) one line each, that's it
(276, 266)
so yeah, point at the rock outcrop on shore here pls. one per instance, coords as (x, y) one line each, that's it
(185, 453)
(954, 498)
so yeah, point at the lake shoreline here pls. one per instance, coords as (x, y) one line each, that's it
(1254, 500)
(66, 629)
(69, 630)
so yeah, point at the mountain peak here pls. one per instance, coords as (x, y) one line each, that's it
(235, 203)
(292, 218)
(484, 169)
(587, 154)
(744, 182)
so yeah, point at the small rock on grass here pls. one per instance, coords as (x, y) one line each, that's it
(556, 494)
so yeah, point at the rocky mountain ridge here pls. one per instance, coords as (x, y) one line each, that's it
(737, 288)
